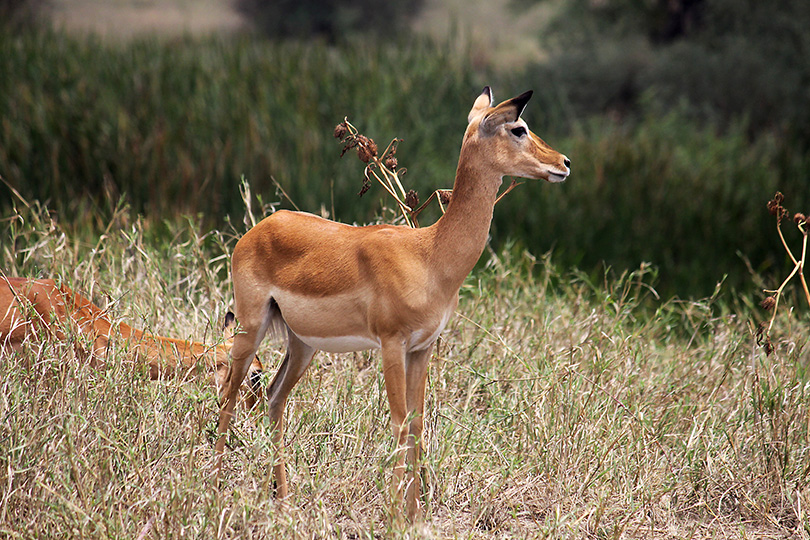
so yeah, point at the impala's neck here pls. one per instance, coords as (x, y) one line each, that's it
(461, 234)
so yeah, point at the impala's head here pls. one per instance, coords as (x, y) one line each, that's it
(511, 147)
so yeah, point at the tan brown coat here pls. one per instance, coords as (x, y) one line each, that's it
(339, 288)
(36, 309)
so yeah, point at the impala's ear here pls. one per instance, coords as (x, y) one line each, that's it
(482, 103)
(229, 328)
(508, 111)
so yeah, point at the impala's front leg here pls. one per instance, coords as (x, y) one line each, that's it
(393, 355)
(416, 364)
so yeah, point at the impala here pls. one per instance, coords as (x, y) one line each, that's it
(34, 308)
(339, 288)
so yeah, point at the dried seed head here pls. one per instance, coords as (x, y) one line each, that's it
(366, 186)
(391, 162)
(775, 207)
(761, 331)
(364, 154)
(768, 303)
(777, 210)
(412, 199)
(348, 143)
(799, 218)
(445, 195)
(366, 148)
(763, 339)
(341, 130)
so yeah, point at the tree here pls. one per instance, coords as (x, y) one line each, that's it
(18, 14)
(725, 59)
(329, 19)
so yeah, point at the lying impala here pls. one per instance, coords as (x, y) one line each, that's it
(35, 308)
(338, 288)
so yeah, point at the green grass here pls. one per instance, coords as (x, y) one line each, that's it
(558, 406)
(158, 120)
(172, 125)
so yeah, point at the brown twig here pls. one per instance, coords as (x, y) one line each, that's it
(442, 197)
(512, 186)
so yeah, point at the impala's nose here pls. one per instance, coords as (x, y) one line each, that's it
(567, 162)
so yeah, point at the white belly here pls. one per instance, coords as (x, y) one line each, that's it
(339, 324)
(341, 344)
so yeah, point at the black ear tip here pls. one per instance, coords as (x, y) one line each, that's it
(229, 318)
(521, 101)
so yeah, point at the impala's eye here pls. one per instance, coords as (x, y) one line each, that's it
(519, 131)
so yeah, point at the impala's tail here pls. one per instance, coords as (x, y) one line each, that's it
(278, 327)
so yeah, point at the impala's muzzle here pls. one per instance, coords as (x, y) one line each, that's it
(560, 175)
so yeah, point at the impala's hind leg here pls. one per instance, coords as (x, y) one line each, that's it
(245, 344)
(295, 363)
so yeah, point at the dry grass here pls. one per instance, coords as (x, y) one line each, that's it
(557, 408)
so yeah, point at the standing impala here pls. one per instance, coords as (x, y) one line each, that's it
(338, 288)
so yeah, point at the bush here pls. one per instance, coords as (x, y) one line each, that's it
(329, 19)
(726, 59)
(16, 15)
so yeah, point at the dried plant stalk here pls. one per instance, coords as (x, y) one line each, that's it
(771, 302)
(383, 168)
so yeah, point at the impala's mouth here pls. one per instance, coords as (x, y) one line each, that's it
(556, 177)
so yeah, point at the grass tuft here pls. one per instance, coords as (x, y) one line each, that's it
(558, 406)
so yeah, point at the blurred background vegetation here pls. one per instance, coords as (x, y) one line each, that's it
(681, 118)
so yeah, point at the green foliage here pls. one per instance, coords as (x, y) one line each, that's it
(727, 59)
(683, 198)
(172, 126)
